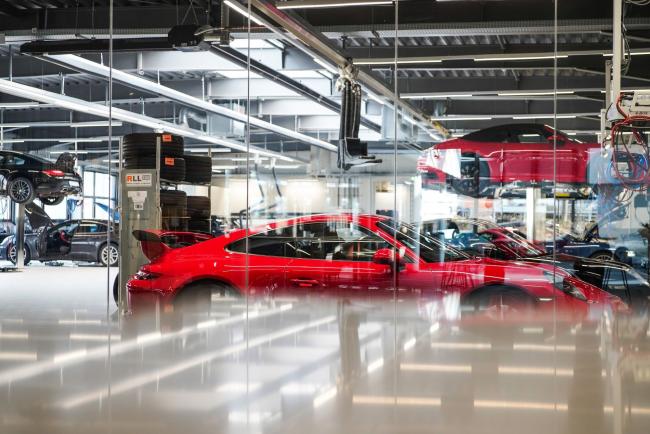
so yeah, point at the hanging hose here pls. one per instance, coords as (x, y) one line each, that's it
(637, 177)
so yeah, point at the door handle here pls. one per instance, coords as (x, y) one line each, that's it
(305, 283)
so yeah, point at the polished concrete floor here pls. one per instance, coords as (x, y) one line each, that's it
(70, 363)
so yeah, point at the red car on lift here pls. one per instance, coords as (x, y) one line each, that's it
(518, 153)
(343, 255)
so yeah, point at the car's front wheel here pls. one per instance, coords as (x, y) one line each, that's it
(51, 201)
(474, 177)
(21, 190)
(109, 255)
(12, 254)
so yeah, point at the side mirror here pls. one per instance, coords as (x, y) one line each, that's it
(387, 257)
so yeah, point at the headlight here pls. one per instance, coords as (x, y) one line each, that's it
(572, 290)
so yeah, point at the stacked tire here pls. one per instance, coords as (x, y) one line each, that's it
(179, 212)
(199, 169)
(139, 152)
(173, 204)
(198, 213)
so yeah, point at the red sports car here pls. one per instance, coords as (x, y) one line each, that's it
(507, 154)
(344, 255)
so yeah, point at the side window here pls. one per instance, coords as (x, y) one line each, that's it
(527, 134)
(266, 244)
(336, 241)
(17, 161)
(91, 228)
(496, 135)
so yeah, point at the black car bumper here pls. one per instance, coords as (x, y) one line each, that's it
(58, 187)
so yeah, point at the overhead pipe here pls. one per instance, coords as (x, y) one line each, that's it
(94, 109)
(133, 81)
(318, 46)
(242, 60)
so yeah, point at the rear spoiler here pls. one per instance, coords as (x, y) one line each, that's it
(156, 243)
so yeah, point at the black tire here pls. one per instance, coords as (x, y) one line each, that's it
(173, 204)
(144, 144)
(195, 225)
(198, 207)
(51, 201)
(171, 168)
(499, 296)
(197, 297)
(105, 252)
(21, 190)
(116, 285)
(198, 169)
(11, 254)
(603, 255)
(474, 180)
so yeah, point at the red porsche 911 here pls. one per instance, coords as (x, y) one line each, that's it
(343, 255)
(517, 153)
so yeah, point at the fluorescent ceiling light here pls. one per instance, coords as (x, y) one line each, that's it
(255, 44)
(509, 58)
(640, 53)
(95, 124)
(206, 150)
(280, 166)
(435, 96)
(399, 61)
(242, 10)
(18, 105)
(71, 151)
(224, 167)
(462, 118)
(545, 117)
(326, 65)
(12, 141)
(314, 4)
(88, 140)
(543, 93)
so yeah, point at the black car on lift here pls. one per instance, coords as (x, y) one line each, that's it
(26, 177)
(73, 240)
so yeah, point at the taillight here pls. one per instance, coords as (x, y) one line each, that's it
(54, 172)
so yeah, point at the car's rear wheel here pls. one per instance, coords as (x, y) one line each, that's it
(603, 256)
(52, 200)
(109, 255)
(21, 190)
(12, 254)
(197, 297)
(474, 177)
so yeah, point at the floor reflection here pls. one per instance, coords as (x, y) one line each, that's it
(321, 365)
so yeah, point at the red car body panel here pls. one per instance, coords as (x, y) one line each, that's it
(518, 162)
(257, 275)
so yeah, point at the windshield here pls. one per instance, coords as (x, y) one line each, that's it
(428, 248)
(482, 238)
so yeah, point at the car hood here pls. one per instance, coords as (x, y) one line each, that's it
(589, 270)
(38, 218)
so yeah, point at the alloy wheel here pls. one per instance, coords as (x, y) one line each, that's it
(110, 255)
(20, 190)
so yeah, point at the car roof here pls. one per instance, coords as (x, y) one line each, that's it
(316, 218)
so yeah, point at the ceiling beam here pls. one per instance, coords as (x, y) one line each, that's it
(106, 112)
